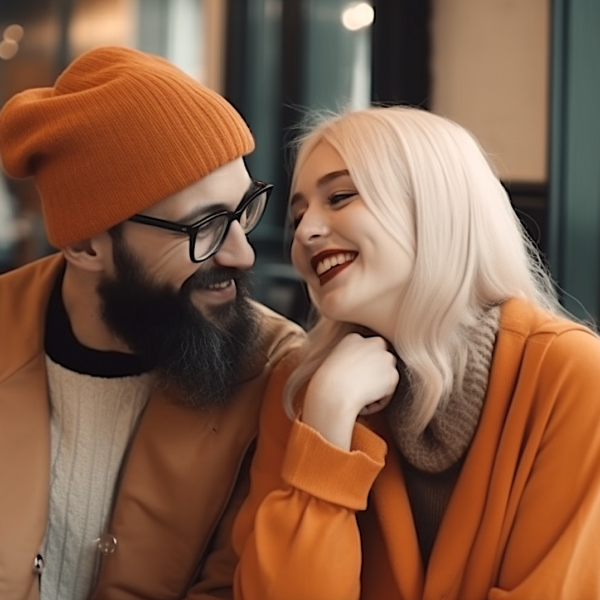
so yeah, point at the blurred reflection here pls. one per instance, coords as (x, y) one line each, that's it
(357, 16)
(16, 230)
(338, 61)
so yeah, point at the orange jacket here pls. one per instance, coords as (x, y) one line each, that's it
(180, 484)
(523, 521)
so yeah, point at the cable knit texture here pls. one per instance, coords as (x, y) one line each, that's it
(448, 435)
(92, 420)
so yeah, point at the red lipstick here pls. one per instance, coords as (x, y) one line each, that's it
(331, 273)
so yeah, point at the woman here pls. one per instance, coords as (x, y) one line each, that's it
(440, 434)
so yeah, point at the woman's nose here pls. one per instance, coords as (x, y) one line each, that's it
(312, 227)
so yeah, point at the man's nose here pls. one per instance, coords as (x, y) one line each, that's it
(236, 251)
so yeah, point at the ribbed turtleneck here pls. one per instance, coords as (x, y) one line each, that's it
(432, 458)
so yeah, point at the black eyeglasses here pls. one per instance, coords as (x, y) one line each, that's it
(208, 234)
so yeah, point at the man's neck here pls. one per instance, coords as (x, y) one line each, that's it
(84, 309)
(66, 350)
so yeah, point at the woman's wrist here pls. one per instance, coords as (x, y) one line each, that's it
(335, 425)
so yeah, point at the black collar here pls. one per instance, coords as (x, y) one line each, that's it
(63, 348)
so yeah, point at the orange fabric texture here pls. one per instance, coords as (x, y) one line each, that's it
(119, 131)
(523, 521)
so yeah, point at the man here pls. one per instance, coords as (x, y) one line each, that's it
(132, 363)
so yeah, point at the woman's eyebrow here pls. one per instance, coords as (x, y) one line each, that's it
(325, 179)
(331, 176)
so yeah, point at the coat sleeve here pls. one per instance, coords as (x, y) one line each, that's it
(553, 546)
(296, 533)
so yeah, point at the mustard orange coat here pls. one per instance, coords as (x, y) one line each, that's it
(181, 481)
(523, 521)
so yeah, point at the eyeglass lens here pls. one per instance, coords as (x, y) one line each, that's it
(210, 236)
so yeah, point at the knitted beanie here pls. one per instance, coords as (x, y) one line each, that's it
(119, 131)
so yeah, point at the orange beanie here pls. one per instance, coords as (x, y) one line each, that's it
(119, 131)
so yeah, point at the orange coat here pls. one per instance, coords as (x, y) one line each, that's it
(180, 484)
(522, 523)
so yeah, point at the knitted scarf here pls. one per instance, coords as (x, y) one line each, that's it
(447, 436)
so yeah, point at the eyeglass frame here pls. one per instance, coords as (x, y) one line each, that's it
(257, 187)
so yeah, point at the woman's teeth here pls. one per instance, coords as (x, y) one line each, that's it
(333, 261)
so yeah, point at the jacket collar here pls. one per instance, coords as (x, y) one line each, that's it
(25, 293)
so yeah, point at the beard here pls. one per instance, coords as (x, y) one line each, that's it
(203, 354)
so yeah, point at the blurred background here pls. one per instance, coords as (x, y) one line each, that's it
(523, 75)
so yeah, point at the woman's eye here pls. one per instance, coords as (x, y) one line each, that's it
(340, 197)
(296, 221)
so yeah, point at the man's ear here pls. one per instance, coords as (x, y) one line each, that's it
(93, 254)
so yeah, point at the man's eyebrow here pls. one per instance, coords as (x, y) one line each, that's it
(200, 212)
(325, 179)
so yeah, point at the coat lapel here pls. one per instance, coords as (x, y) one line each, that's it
(24, 425)
(177, 480)
(24, 469)
(389, 500)
(471, 524)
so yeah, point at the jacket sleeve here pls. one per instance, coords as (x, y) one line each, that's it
(296, 533)
(553, 546)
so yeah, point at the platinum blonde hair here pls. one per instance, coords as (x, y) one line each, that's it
(429, 183)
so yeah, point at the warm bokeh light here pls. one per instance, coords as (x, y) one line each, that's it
(14, 32)
(358, 16)
(8, 49)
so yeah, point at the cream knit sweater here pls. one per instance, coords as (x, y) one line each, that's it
(91, 422)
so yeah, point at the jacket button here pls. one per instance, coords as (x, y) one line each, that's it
(107, 543)
(38, 564)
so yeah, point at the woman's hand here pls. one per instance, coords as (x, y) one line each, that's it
(358, 377)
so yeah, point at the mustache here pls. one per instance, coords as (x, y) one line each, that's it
(202, 278)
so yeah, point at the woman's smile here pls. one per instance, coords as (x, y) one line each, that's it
(328, 263)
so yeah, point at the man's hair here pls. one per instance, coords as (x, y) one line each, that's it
(116, 232)
(430, 185)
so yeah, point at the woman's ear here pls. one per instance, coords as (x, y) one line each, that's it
(93, 254)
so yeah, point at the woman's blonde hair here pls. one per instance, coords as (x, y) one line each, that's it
(424, 174)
